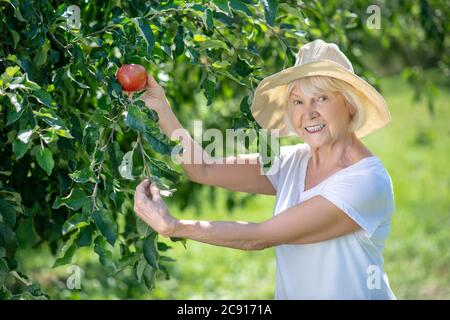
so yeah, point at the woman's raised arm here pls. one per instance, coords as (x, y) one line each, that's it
(241, 173)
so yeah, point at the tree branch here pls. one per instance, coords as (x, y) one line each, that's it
(94, 193)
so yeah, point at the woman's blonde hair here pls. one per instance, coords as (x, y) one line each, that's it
(313, 85)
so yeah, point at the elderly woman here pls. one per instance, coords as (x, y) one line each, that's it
(334, 198)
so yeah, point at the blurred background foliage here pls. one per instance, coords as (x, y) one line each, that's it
(62, 129)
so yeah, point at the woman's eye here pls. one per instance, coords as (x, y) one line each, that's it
(323, 98)
(299, 102)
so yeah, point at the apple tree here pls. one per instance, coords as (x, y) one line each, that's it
(74, 147)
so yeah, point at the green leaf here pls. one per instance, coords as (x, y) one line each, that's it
(151, 114)
(88, 206)
(115, 156)
(85, 237)
(163, 247)
(74, 200)
(244, 107)
(208, 19)
(14, 115)
(106, 224)
(82, 176)
(209, 88)
(221, 64)
(8, 212)
(213, 44)
(30, 84)
(16, 37)
(270, 10)
(8, 238)
(159, 143)
(139, 268)
(136, 96)
(126, 167)
(136, 119)
(179, 41)
(44, 97)
(45, 159)
(67, 251)
(146, 33)
(240, 6)
(11, 71)
(20, 148)
(166, 259)
(91, 135)
(166, 49)
(76, 221)
(149, 276)
(243, 68)
(3, 270)
(34, 292)
(223, 6)
(182, 240)
(61, 132)
(41, 55)
(50, 117)
(16, 100)
(71, 77)
(17, 12)
(127, 260)
(114, 88)
(142, 228)
(104, 254)
(161, 169)
(66, 255)
(151, 251)
(49, 136)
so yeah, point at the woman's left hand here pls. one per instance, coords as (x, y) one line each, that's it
(150, 207)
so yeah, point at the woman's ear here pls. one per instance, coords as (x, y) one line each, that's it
(351, 109)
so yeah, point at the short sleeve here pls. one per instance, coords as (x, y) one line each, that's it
(366, 196)
(279, 163)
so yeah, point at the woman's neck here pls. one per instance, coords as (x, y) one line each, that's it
(341, 153)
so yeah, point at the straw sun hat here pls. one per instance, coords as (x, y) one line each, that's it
(316, 58)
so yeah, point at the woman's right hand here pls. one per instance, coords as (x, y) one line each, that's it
(155, 99)
(154, 96)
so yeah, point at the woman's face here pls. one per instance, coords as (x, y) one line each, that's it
(320, 119)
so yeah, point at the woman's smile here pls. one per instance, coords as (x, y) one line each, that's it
(315, 129)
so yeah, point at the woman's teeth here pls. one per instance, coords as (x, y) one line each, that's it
(315, 129)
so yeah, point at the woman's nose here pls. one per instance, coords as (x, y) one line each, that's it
(311, 118)
(311, 110)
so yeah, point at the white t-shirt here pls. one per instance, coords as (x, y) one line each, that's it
(347, 267)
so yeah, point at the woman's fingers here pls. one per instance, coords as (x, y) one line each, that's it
(141, 188)
(147, 192)
(154, 191)
(148, 189)
(151, 82)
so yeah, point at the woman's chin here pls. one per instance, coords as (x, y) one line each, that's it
(315, 141)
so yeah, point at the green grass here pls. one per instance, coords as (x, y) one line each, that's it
(209, 272)
(414, 148)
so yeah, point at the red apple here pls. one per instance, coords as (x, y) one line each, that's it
(132, 77)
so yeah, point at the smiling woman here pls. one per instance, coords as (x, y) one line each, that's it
(334, 199)
(322, 87)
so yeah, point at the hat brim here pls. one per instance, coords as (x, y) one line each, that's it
(270, 97)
